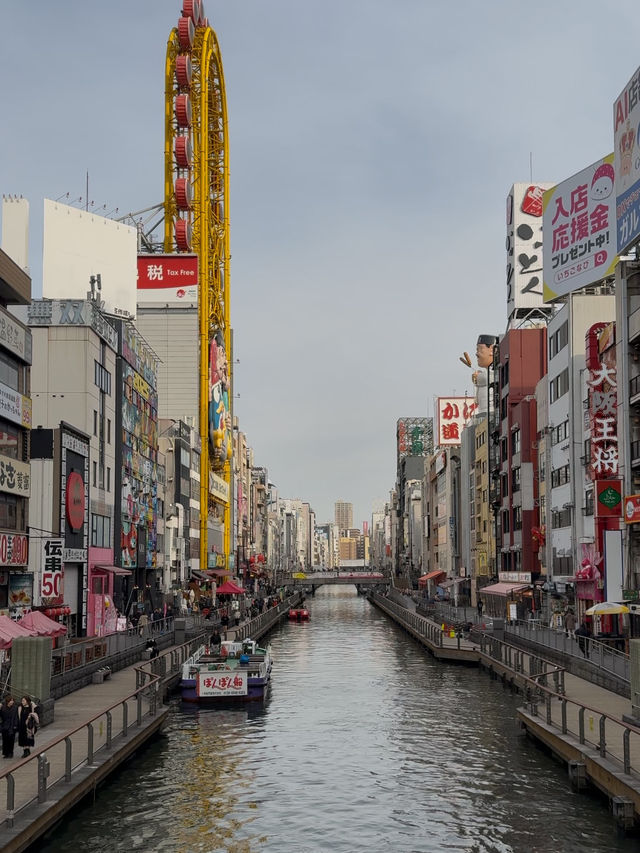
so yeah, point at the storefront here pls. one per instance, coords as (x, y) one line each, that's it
(506, 600)
(108, 591)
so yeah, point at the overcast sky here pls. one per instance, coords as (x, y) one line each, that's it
(372, 147)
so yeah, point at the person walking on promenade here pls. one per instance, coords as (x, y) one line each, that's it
(570, 623)
(479, 608)
(214, 641)
(143, 623)
(28, 723)
(8, 725)
(583, 633)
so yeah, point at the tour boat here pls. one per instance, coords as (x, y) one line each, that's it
(239, 672)
(299, 615)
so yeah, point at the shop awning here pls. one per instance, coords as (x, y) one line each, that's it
(503, 589)
(115, 570)
(200, 576)
(452, 582)
(422, 581)
(218, 573)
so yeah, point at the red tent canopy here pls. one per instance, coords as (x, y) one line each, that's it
(42, 625)
(228, 588)
(9, 630)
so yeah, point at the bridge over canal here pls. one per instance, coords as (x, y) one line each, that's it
(318, 579)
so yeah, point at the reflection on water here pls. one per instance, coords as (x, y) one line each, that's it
(366, 744)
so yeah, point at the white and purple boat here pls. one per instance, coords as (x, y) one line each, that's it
(239, 672)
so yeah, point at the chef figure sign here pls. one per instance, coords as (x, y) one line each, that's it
(484, 358)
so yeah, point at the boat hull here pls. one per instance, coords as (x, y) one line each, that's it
(255, 693)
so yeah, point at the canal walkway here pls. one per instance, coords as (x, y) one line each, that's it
(584, 724)
(95, 729)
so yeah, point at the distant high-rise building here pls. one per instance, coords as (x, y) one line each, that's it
(343, 514)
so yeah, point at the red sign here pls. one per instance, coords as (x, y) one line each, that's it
(14, 549)
(168, 272)
(632, 509)
(75, 500)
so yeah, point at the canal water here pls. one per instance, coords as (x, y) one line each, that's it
(366, 744)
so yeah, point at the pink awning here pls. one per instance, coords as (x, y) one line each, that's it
(503, 588)
(228, 588)
(43, 626)
(9, 630)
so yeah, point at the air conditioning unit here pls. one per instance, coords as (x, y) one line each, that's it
(634, 608)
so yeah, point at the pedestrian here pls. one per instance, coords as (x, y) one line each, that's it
(143, 623)
(28, 723)
(570, 623)
(8, 725)
(479, 608)
(583, 633)
(214, 641)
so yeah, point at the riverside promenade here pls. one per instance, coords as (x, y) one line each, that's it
(585, 725)
(96, 729)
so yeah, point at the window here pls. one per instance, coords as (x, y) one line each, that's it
(560, 476)
(561, 518)
(108, 479)
(559, 386)
(559, 340)
(102, 378)
(10, 371)
(10, 440)
(504, 449)
(588, 502)
(560, 433)
(517, 518)
(95, 473)
(101, 531)
(95, 422)
(515, 441)
(10, 512)
(503, 408)
(108, 431)
(505, 521)
(504, 485)
(515, 480)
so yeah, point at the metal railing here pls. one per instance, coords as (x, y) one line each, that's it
(592, 727)
(74, 655)
(259, 624)
(420, 624)
(604, 657)
(57, 760)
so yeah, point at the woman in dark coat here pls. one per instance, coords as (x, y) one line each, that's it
(27, 725)
(8, 726)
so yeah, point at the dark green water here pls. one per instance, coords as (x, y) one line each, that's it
(366, 744)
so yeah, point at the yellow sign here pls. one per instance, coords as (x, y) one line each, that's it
(141, 386)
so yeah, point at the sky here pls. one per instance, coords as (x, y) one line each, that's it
(372, 146)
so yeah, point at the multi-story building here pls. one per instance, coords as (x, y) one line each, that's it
(522, 361)
(76, 418)
(343, 514)
(16, 584)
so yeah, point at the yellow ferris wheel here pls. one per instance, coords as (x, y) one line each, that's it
(196, 220)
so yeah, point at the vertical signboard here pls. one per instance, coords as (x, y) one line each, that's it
(52, 572)
(453, 414)
(626, 125)
(524, 247)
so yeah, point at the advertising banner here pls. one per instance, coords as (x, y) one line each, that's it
(524, 246)
(608, 498)
(15, 477)
(578, 221)
(167, 278)
(14, 549)
(414, 436)
(15, 337)
(222, 684)
(20, 593)
(51, 572)
(453, 413)
(632, 509)
(626, 125)
(14, 407)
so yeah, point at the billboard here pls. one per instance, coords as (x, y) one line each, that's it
(78, 244)
(414, 437)
(168, 279)
(524, 247)
(578, 220)
(626, 127)
(453, 414)
(219, 410)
